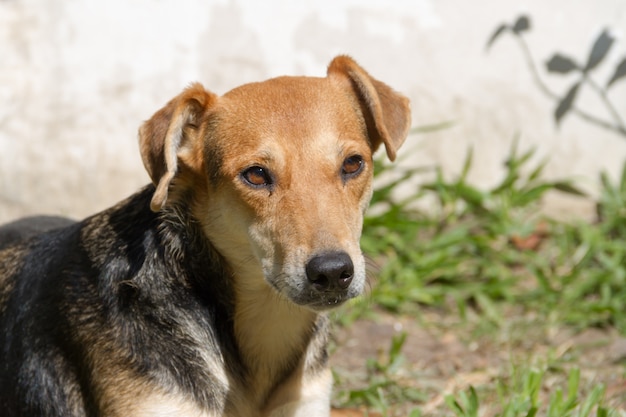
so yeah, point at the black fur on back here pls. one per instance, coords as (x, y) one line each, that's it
(23, 229)
(125, 280)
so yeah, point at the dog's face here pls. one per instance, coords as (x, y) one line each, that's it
(293, 179)
(281, 173)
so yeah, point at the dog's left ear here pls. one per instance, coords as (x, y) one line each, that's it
(173, 134)
(387, 113)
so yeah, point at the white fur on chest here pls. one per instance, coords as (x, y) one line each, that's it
(169, 406)
(307, 397)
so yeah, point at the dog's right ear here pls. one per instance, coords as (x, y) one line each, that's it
(172, 133)
(387, 113)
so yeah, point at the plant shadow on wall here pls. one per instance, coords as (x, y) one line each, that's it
(562, 64)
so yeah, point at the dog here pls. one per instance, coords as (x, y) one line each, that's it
(205, 293)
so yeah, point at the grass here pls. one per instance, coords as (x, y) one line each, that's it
(385, 387)
(489, 259)
(524, 399)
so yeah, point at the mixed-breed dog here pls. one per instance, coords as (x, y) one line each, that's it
(204, 294)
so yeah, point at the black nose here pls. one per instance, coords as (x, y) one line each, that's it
(330, 271)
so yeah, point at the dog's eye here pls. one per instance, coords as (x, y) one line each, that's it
(257, 176)
(352, 166)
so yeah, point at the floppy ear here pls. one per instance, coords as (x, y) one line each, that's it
(387, 113)
(172, 133)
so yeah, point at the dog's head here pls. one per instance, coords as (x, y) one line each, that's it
(279, 174)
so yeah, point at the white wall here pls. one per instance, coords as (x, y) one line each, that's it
(78, 77)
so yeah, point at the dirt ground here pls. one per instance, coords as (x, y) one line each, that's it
(444, 357)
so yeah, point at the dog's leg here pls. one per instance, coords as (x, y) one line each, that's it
(303, 396)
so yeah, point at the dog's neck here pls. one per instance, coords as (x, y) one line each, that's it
(272, 334)
(271, 331)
